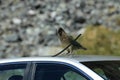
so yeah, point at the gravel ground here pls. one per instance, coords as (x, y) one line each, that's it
(28, 27)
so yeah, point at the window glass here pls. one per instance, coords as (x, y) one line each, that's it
(109, 70)
(100, 72)
(10, 70)
(71, 75)
(56, 72)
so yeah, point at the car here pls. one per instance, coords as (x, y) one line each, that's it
(82, 67)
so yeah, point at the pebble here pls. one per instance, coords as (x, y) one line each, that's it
(3, 47)
(80, 20)
(12, 37)
(16, 21)
(31, 13)
(53, 14)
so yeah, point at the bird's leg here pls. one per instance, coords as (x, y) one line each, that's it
(71, 51)
(68, 51)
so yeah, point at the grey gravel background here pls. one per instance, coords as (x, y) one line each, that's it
(28, 27)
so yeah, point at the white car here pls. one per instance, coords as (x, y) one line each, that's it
(61, 68)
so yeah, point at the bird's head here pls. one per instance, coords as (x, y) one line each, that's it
(61, 32)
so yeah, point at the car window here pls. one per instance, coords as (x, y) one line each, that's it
(8, 71)
(56, 72)
(100, 72)
(109, 70)
(71, 75)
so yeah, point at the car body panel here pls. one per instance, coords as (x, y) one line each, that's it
(74, 61)
(54, 59)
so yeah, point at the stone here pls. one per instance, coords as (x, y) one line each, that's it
(82, 5)
(3, 47)
(39, 5)
(16, 21)
(2, 54)
(53, 14)
(31, 13)
(12, 37)
(80, 20)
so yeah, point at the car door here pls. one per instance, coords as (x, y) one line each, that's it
(57, 71)
(13, 70)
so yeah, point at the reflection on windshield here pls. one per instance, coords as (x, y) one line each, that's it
(109, 70)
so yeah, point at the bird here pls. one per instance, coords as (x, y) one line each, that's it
(66, 40)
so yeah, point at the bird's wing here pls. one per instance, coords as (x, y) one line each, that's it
(77, 45)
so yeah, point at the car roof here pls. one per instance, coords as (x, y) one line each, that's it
(73, 58)
(88, 58)
(27, 59)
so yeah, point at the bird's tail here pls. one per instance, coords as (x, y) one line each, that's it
(83, 48)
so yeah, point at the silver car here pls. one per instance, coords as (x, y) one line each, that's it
(61, 68)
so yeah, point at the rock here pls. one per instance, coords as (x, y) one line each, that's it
(26, 25)
(58, 18)
(16, 21)
(80, 20)
(82, 5)
(1, 31)
(3, 47)
(31, 13)
(53, 14)
(12, 37)
(3, 54)
(77, 26)
(33, 31)
(69, 23)
(39, 5)
(50, 40)
(97, 22)
(0, 2)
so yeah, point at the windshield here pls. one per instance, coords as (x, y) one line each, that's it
(109, 70)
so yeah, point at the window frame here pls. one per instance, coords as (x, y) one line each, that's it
(27, 68)
(76, 69)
